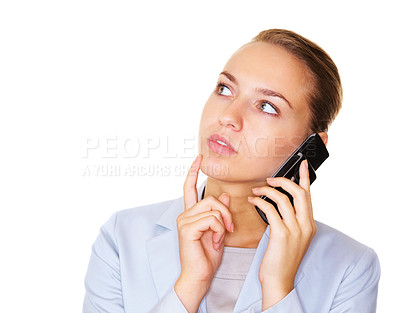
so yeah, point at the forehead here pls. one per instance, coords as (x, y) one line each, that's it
(260, 64)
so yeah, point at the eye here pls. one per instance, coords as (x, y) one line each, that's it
(268, 108)
(223, 90)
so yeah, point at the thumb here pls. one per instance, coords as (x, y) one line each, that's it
(224, 198)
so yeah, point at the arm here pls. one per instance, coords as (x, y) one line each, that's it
(358, 290)
(103, 278)
(289, 241)
(290, 236)
(170, 303)
(289, 304)
(103, 281)
(201, 232)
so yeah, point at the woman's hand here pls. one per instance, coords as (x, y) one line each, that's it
(289, 237)
(201, 232)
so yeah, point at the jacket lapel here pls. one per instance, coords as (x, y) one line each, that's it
(164, 261)
(251, 293)
(163, 249)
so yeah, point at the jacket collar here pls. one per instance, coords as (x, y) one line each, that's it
(163, 254)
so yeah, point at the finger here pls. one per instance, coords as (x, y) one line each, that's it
(273, 217)
(304, 175)
(227, 215)
(210, 203)
(285, 207)
(217, 238)
(209, 222)
(193, 218)
(299, 194)
(305, 184)
(189, 188)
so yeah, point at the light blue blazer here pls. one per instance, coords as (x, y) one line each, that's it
(135, 264)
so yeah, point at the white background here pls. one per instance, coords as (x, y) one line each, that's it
(101, 74)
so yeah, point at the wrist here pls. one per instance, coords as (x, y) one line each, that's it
(190, 293)
(273, 292)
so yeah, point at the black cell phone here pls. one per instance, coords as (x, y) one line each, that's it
(314, 150)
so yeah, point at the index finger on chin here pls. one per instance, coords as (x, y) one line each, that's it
(190, 197)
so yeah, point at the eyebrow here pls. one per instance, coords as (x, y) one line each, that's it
(264, 91)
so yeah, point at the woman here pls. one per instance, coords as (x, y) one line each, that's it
(214, 253)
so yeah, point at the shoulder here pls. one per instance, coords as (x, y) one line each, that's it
(332, 239)
(144, 221)
(337, 239)
(146, 214)
(344, 269)
(342, 252)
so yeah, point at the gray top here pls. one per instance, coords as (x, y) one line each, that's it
(228, 280)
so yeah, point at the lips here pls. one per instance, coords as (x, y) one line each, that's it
(220, 144)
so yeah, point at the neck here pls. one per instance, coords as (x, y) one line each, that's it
(249, 227)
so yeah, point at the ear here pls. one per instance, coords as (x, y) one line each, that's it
(324, 137)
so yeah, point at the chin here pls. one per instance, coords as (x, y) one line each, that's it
(214, 167)
(222, 170)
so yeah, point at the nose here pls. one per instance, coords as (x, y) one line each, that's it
(232, 116)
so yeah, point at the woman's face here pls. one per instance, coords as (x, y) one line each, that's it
(260, 106)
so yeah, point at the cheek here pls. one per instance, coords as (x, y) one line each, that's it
(269, 154)
(271, 149)
(262, 141)
(275, 145)
(282, 138)
(284, 147)
(262, 147)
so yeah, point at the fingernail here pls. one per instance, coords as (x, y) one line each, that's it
(306, 161)
(232, 227)
(250, 198)
(270, 178)
(255, 189)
